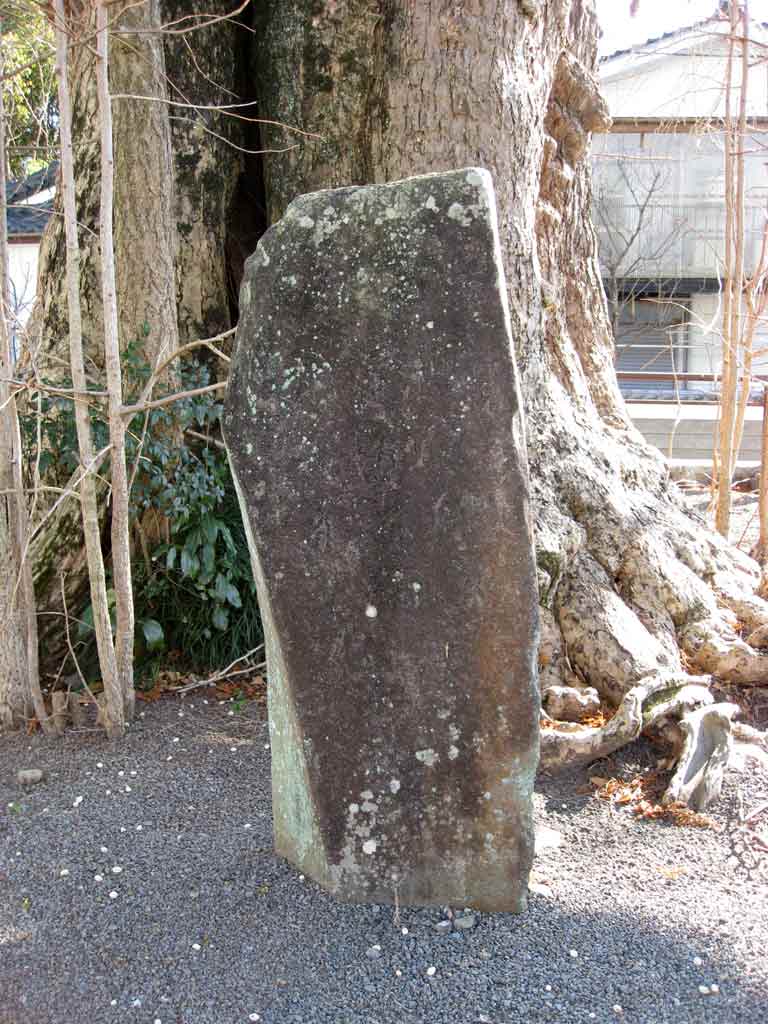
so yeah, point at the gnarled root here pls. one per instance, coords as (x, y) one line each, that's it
(699, 776)
(634, 613)
(570, 745)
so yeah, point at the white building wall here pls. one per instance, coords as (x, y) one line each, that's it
(705, 332)
(23, 258)
(665, 191)
(682, 78)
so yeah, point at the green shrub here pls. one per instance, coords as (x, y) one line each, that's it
(194, 594)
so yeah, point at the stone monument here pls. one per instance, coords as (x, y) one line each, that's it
(375, 431)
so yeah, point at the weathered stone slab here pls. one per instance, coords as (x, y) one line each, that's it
(374, 428)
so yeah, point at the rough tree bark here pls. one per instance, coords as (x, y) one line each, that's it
(113, 711)
(146, 241)
(635, 593)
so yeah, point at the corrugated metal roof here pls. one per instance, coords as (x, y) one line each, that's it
(675, 33)
(24, 218)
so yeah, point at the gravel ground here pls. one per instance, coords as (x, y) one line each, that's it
(137, 883)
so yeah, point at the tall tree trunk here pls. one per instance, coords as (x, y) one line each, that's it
(113, 711)
(145, 230)
(631, 587)
(146, 241)
(212, 169)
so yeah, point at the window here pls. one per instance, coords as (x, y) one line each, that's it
(652, 337)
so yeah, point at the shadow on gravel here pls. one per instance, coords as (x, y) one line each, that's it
(156, 897)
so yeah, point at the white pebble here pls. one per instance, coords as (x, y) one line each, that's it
(108, 792)
(127, 789)
(301, 878)
(64, 872)
(113, 1002)
(714, 989)
(78, 801)
(404, 931)
(133, 774)
(398, 972)
(253, 1016)
(617, 1008)
(230, 712)
(123, 828)
(196, 946)
(205, 701)
(573, 953)
(158, 1021)
(98, 878)
(116, 870)
(139, 828)
(175, 739)
(233, 749)
(547, 988)
(248, 825)
(704, 990)
(99, 764)
(698, 961)
(121, 774)
(431, 971)
(371, 611)
(266, 746)
(113, 894)
(103, 849)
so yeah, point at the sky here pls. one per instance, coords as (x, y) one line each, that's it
(654, 18)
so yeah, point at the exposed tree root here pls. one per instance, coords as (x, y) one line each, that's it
(639, 597)
(699, 776)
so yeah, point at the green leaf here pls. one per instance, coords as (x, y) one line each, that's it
(193, 540)
(190, 564)
(221, 587)
(209, 559)
(170, 558)
(226, 534)
(153, 634)
(210, 528)
(220, 618)
(233, 596)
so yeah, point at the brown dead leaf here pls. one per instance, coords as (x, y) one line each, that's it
(598, 781)
(600, 718)
(32, 726)
(148, 696)
(643, 795)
